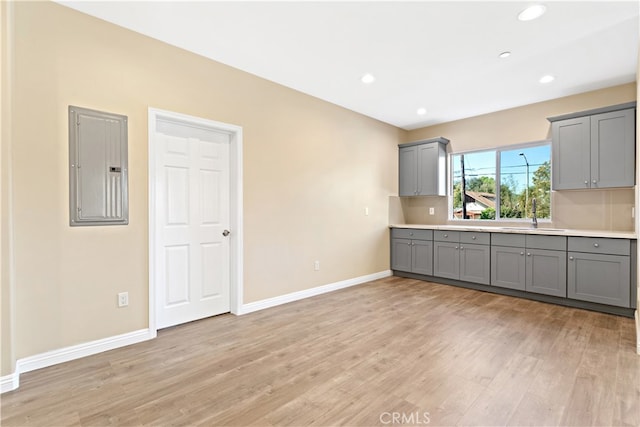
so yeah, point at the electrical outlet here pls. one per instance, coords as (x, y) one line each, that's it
(123, 299)
(366, 211)
(316, 265)
(432, 211)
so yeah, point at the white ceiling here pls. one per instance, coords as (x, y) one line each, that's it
(442, 56)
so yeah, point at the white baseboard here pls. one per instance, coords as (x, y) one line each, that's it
(295, 296)
(9, 382)
(50, 358)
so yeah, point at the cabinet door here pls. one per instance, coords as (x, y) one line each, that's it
(475, 263)
(546, 272)
(422, 257)
(571, 154)
(427, 169)
(599, 278)
(401, 254)
(446, 260)
(408, 171)
(613, 149)
(508, 267)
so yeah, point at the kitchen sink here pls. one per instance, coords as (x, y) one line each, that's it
(531, 228)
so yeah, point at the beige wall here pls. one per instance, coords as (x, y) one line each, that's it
(7, 359)
(310, 169)
(585, 209)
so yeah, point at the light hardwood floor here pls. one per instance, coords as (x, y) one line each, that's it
(360, 356)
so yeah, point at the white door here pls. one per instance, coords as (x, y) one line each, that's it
(191, 216)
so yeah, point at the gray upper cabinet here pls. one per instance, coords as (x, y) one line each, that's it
(408, 168)
(571, 153)
(423, 168)
(613, 149)
(594, 149)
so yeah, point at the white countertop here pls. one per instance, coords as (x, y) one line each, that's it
(524, 230)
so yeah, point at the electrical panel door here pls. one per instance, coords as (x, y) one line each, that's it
(97, 168)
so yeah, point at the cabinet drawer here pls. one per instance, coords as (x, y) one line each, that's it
(411, 233)
(600, 245)
(446, 236)
(556, 243)
(474, 237)
(512, 240)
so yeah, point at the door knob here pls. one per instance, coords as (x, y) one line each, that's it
(225, 233)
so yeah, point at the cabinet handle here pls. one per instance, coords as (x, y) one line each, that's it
(456, 248)
(521, 253)
(528, 253)
(473, 237)
(446, 235)
(595, 245)
(570, 258)
(594, 181)
(461, 248)
(586, 183)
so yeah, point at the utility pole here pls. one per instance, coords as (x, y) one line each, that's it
(464, 190)
(526, 194)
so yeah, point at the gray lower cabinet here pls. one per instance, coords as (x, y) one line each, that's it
(599, 270)
(401, 254)
(422, 257)
(413, 254)
(546, 272)
(446, 260)
(474, 263)
(508, 266)
(529, 263)
(460, 260)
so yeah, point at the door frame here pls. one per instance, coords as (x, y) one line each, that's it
(235, 204)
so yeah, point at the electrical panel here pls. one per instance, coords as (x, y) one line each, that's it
(98, 171)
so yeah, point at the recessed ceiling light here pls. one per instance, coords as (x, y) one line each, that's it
(368, 78)
(532, 12)
(421, 111)
(505, 54)
(547, 79)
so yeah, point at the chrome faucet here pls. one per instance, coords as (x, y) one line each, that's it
(534, 219)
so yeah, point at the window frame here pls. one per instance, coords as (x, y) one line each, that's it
(498, 179)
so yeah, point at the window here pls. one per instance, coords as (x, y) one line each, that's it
(502, 183)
